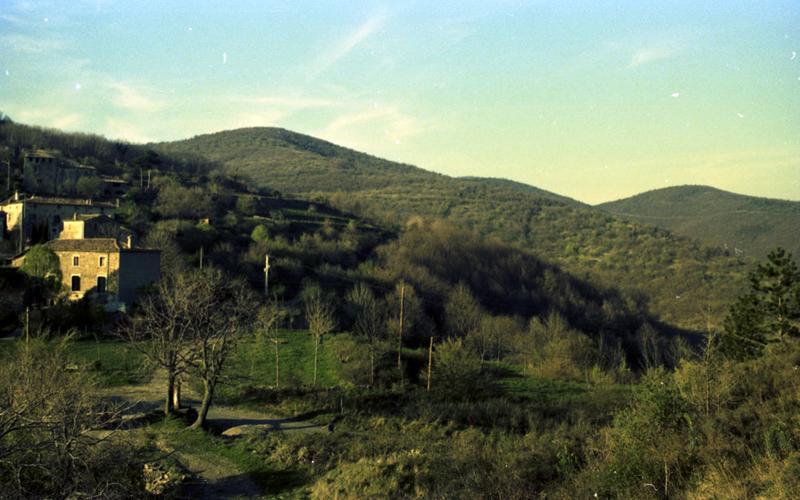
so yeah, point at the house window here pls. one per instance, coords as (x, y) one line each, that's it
(101, 284)
(76, 283)
(75, 260)
(102, 261)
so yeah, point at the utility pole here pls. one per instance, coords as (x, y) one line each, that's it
(148, 179)
(430, 362)
(8, 178)
(27, 324)
(22, 227)
(141, 179)
(201, 257)
(266, 276)
(400, 332)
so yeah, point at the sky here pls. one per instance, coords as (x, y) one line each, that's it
(593, 99)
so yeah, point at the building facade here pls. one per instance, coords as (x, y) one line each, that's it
(46, 174)
(101, 267)
(42, 218)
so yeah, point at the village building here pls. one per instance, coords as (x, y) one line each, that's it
(42, 218)
(44, 173)
(47, 174)
(96, 226)
(103, 267)
(109, 272)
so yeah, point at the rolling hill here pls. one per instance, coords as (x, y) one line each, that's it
(744, 224)
(680, 279)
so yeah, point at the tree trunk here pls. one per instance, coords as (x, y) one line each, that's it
(170, 389)
(208, 394)
(316, 349)
(176, 394)
(277, 366)
(371, 366)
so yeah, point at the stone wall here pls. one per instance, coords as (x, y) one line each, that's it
(48, 217)
(89, 268)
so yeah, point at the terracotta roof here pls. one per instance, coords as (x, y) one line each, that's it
(85, 245)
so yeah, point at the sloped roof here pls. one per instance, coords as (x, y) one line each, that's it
(85, 245)
(42, 200)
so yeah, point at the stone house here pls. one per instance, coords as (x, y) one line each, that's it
(96, 226)
(112, 273)
(47, 174)
(42, 218)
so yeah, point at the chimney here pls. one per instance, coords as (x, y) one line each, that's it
(16, 195)
(130, 241)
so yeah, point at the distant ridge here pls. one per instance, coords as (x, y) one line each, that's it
(672, 274)
(747, 224)
(298, 163)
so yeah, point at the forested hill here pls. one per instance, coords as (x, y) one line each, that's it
(679, 278)
(751, 225)
(298, 163)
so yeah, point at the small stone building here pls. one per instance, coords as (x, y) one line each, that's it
(113, 273)
(42, 217)
(96, 226)
(46, 174)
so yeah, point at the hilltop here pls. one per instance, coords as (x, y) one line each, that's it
(744, 224)
(678, 277)
(298, 163)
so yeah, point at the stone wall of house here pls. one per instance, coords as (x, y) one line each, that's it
(48, 217)
(89, 267)
(48, 175)
(137, 269)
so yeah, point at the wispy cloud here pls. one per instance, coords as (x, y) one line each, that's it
(665, 49)
(33, 45)
(116, 128)
(359, 127)
(650, 54)
(12, 19)
(347, 43)
(56, 118)
(286, 102)
(134, 98)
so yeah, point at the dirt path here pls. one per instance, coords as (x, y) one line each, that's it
(217, 476)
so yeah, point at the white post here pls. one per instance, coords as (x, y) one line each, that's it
(266, 276)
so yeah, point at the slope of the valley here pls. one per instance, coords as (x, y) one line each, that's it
(744, 224)
(680, 279)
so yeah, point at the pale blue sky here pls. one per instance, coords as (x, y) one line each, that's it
(591, 99)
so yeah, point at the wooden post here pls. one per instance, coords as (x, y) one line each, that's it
(27, 324)
(430, 362)
(400, 332)
(201, 257)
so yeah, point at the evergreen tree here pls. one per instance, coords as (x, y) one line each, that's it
(769, 312)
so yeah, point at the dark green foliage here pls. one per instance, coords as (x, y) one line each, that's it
(44, 271)
(89, 187)
(675, 274)
(769, 312)
(458, 372)
(740, 223)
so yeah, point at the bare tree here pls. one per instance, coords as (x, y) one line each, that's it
(269, 318)
(220, 310)
(49, 415)
(165, 326)
(320, 319)
(368, 322)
